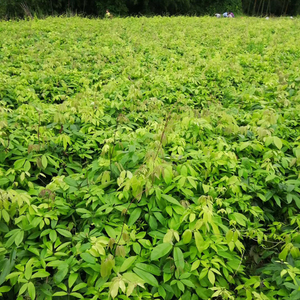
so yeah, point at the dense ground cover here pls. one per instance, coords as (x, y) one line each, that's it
(150, 159)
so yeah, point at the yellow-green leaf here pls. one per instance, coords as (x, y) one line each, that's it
(211, 277)
(127, 263)
(277, 142)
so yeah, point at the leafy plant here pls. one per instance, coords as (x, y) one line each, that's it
(149, 159)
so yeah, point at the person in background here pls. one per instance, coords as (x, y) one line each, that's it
(218, 15)
(231, 15)
(108, 14)
(225, 15)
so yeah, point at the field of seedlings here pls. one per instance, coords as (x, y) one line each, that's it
(150, 158)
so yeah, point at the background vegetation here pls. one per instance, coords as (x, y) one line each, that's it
(19, 8)
(150, 158)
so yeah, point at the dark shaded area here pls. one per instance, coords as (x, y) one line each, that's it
(271, 7)
(41, 8)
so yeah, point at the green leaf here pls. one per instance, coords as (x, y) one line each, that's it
(11, 240)
(72, 279)
(271, 177)
(79, 286)
(289, 198)
(4, 181)
(132, 277)
(5, 289)
(136, 248)
(277, 142)
(152, 223)
(205, 188)
(134, 216)
(61, 274)
(27, 166)
(5, 269)
(148, 278)
(53, 235)
(19, 237)
(187, 236)
(31, 290)
(297, 200)
(178, 258)
(188, 283)
(283, 254)
(57, 294)
(83, 211)
(23, 289)
(268, 140)
(113, 289)
(150, 268)
(62, 246)
(88, 258)
(64, 232)
(229, 236)
(44, 162)
(199, 241)
(19, 163)
(5, 215)
(195, 265)
(111, 232)
(170, 199)
(62, 286)
(168, 175)
(28, 272)
(13, 275)
(161, 250)
(77, 295)
(70, 181)
(277, 200)
(211, 277)
(239, 218)
(203, 273)
(180, 286)
(127, 263)
(162, 292)
(40, 274)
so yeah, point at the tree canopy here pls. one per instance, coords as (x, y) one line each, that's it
(21, 8)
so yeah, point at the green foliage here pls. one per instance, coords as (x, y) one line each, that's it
(149, 159)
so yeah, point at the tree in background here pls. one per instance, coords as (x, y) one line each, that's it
(271, 7)
(21, 8)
